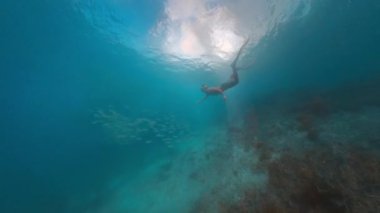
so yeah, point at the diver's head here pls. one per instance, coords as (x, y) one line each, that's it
(204, 88)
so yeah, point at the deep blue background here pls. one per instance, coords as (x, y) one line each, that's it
(56, 70)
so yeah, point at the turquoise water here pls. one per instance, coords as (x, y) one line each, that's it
(100, 114)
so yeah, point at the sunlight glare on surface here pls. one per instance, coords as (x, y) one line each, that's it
(192, 34)
(194, 28)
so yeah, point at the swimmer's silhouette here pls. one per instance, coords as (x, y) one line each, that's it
(232, 81)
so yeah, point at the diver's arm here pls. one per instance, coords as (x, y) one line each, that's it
(223, 95)
(204, 98)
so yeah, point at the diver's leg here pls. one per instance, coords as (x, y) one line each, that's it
(234, 77)
(233, 65)
(232, 81)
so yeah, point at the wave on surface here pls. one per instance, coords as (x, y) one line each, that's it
(197, 33)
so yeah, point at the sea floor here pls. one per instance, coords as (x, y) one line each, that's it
(315, 154)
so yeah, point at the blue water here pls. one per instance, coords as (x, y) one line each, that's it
(98, 115)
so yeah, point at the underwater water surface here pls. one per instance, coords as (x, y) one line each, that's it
(100, 113)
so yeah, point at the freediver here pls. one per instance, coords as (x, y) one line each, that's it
(232, 81)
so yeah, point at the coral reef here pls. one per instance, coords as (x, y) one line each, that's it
(337, 170)
(318, 182)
